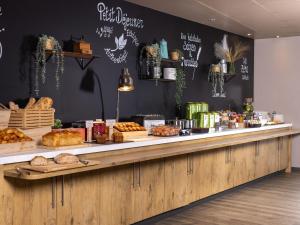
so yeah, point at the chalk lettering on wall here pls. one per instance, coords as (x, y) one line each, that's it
(2, 29)
(105, 31)
(244, 69)
(115, 16)
(192, 46)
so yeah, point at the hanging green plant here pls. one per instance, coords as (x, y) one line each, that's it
(48, 43)
(180, 81)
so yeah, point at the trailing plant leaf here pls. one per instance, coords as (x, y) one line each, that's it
(180, 81)
(40, 61)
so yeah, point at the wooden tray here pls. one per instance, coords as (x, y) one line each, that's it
(52, 166)
(31, 118)
(133, 134)
(17, 147)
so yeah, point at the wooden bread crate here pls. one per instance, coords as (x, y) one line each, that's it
(31, 118)
(133, 134)
(4, 116)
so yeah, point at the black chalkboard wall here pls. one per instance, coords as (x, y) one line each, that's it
(24, 19)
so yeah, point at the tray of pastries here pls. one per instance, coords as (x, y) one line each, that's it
(165, 131)
(129, 127)
(129, 131)
(13, 140)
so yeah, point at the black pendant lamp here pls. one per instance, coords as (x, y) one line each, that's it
(125, 85)
(125, 81)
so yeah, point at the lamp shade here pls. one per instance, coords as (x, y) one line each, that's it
(125, 81)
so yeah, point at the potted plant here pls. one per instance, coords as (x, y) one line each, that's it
(44, 45)
(151, 59)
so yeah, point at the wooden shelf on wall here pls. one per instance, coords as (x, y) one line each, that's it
(82, 59)
(160, 80)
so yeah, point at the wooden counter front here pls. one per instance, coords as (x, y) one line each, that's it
(134, 184)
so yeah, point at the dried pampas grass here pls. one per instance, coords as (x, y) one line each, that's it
(239, 51)
(231, 54)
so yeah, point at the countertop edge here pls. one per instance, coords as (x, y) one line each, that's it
(27, 156)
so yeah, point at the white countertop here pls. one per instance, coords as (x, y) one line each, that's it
(27, 156)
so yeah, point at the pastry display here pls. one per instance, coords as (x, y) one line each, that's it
(66, 158)
(39, 161)
(128, 126)
(165, 131)
(12, 135)
(62, 138)
(118, 137)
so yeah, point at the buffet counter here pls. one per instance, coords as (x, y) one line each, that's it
(137, 180)
(136, 143)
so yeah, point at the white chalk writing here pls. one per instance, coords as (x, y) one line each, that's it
(105, 31)
(116, 15)
(1, 30)
(245, 69)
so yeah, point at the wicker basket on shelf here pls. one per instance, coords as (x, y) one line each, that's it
(31, 118)
(4, 116)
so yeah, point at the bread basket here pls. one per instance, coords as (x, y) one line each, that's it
(4, 116)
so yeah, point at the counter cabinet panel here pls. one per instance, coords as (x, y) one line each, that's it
(27, 203)
(126, 194)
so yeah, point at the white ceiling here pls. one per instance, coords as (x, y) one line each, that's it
(260, 18)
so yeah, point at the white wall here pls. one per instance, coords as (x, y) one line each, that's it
(277, 81)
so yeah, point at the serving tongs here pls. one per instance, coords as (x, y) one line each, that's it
(84, 162)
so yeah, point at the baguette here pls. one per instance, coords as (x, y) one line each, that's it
(30, 103)
(43, 103)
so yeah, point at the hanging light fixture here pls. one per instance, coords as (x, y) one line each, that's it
(125, 85)
(125, 81)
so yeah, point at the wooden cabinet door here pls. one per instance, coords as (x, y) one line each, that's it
(177, 173)
(242, 163)
(116, 195)
(284, 152)
(200, 183)
(222, 178)
(148, 190)
(78, 199)
(210, 173)
(266, 157)
(27, 203)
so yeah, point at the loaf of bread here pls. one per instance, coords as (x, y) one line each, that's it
(62, 138)
(66, 158)
(39, 161)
